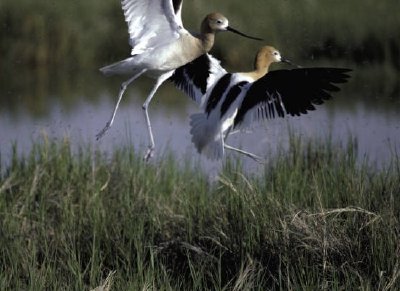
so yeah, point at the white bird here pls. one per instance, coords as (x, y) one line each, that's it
(160, 44)
(233, 101)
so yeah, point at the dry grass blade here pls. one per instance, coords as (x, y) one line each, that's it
(7, 183)
(106, 286)
(343, 210)
(226, 182)
(245, 279)
(394, 279)
(322, 233)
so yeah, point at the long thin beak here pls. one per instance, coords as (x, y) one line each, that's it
(285, 60)
(241, 33)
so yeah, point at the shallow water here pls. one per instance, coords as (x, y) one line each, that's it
(374, 121)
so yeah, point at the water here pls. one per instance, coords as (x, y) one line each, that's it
(79, 109)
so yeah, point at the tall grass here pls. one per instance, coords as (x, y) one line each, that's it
(314, 219)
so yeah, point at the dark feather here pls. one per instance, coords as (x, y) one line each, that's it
(231, 96)
(218, 92)
(177, 5)
(292, 92)
(197, 71)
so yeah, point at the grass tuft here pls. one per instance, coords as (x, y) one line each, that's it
(316, 218)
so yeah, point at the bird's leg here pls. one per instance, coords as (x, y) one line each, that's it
(228, 131)
(150, 152)
(250, 155)
(124, 85)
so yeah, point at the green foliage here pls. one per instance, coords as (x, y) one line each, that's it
(314, 219)
(54, 48)
(88, 33)
(54, 33)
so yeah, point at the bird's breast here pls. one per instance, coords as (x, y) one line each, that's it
(171, 56)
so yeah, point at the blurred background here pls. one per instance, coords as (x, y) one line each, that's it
(50, 52)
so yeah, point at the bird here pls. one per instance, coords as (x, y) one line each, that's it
(160, 44)
(233, 101)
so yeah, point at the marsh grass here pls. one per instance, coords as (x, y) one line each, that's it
(314, 219)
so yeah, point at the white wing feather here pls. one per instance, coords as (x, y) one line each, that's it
(151, 23)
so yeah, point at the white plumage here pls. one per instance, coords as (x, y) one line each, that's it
(235, 101)
(160, 44)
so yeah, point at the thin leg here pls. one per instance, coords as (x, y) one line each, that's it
(150, 152)
(250, 155)
(239, 131)
(124, 85)
(228, 132)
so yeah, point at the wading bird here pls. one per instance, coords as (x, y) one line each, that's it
(160, 44)
(234, 101)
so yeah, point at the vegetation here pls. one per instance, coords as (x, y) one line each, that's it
(85, 34)
(314, 219)
(54, 49)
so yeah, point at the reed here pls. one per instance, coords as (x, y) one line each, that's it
(315, 218)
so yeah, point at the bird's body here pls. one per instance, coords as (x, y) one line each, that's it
(234, 101)
(160, 44)
(162, 59)
(219, 110)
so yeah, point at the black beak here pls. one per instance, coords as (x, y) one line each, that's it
(242, 34)
(285, 60)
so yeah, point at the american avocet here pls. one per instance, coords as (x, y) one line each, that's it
(233, 101)
(160, 44)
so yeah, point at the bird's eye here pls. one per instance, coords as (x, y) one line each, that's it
(275, 53)
(219, 21)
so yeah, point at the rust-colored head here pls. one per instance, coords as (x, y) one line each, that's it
(266, 56)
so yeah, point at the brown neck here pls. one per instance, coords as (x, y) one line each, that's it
(261, 67)
(259, 72)
(207, 36)
(207, 41)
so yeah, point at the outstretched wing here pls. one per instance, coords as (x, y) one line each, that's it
(196, 77)
(291, 92)
(152, 23)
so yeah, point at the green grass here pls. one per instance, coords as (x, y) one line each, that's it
(314, 219)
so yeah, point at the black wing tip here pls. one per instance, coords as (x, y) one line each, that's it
(319, 86)
(177, 4)
(328, 69)
(342, 71)
(338, 70)
(336, 75)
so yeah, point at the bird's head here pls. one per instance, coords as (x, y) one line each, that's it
(216, 22)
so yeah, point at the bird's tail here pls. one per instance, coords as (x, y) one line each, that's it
(124, 67)
(206, 140)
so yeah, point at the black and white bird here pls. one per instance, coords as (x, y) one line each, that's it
(233, 101)
(160, 44)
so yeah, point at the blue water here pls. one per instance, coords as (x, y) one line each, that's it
(376, 128)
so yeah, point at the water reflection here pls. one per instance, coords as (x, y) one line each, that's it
(79, 105)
